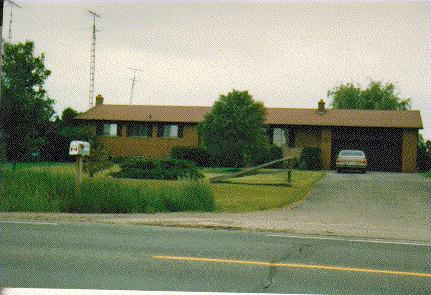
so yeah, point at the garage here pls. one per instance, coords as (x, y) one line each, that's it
(382, 146)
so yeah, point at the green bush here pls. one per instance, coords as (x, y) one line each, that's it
(118, 160)
(423, 159)
(46, 191)
(2, 148)
(198, 155)
(268, 154)
(98, 159)
(167, 169)
(310, 159)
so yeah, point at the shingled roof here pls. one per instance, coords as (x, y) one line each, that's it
(275, 116)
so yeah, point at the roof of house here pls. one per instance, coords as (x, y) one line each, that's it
(275, 116)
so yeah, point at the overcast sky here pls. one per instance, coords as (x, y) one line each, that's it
(287, 54)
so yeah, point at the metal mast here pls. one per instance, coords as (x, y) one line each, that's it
(92, 61)
(12, 5)
(133, 83)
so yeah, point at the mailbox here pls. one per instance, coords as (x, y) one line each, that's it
(79, 148)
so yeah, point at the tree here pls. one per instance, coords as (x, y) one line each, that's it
(377, 96)
(67, 117)
(26, 108)
(424, 154)
(58, 135)
(234, 131)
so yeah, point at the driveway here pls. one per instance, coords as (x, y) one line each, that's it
(372, 205)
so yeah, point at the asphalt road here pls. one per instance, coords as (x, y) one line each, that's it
(132, 257)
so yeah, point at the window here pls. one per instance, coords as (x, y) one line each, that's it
(170, 131)
(108, 129)
(280, 136)
(139, 130)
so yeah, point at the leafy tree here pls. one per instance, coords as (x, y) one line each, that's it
(424, 154)
(377, 96)
(233, 131)
(58, 135)
(26, 109)
(67, 117)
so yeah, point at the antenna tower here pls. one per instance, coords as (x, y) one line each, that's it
(12, 5)
(132, 90)
(92, 60)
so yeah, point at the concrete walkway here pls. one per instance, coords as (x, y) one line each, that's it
(372, 205)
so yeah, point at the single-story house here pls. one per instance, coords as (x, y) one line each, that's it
(389, 138)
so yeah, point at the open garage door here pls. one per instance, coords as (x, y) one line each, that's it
(382, 146)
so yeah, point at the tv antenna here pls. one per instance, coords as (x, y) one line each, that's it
(12, 5)
(92, 59)
(132, 90)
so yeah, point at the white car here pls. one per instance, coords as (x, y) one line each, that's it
(351, 160)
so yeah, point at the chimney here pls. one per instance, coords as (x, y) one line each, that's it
(321, 106)
(99, 99)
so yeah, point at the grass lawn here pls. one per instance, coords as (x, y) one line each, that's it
(243, 194)
(54, 165)
(239, 196)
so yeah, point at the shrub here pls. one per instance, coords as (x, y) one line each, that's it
(198, 155)
(310, 159)
(270, 154)
(423, 159)
(118, 160)
(46, 191)
(98, 159)
(2, 148)
(168, 169)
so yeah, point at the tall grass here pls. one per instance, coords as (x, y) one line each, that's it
(48, 191)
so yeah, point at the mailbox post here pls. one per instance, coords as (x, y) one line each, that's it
(79, 149)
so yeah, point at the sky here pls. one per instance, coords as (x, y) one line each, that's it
(286, 54)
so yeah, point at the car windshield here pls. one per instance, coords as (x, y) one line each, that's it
(348, 153)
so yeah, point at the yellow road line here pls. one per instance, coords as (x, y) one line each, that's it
(293, 265)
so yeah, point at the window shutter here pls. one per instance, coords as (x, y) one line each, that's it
(160, 130)
(180, 131)
(99, 129)
(149, 130)
(291, 138)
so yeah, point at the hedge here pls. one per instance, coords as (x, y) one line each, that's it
(310, 159)
(198, 155)
(168, 169)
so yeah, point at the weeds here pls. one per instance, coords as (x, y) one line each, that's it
(47, 191)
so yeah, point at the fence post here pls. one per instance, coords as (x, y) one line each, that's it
(79, 164)
(289, 172)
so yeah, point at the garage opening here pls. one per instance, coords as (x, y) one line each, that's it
(382, 146)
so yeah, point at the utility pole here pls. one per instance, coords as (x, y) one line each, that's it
(12, 5)
(92, 61)
(2, 145)
(133, 83)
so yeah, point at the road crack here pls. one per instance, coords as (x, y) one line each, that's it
(269, 282)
